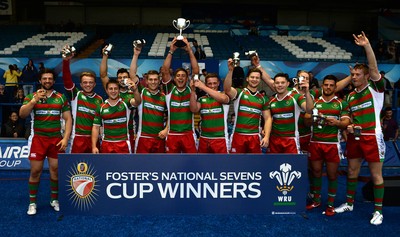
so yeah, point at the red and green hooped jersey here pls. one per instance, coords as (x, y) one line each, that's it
(366, 105)
(46, 118)
(336, 108)
(248, 109)
(151, 113)
(180, 118)
(114, 119)
(214, 117)
(83, 110)
(285, 114)
(127, 95)
(303, 129)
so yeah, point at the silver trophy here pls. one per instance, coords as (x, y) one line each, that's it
(236, 59)
(125, 83)
(318, 119)
(108, 49)
(321, 121)
(251, 53)
(180, 24)
(357, 132)
(139, 43)
(67, 51)
(298, 81)
(315, 115)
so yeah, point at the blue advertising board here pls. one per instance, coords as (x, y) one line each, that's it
(14, 154)
(117, 184)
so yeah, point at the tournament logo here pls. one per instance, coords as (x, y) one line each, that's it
(82, 183)
(285, 177)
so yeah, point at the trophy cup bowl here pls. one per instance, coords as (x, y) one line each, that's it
(180, 24)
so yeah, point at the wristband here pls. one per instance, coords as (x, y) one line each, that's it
(170, 52)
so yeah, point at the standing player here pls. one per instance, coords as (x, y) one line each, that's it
(113, 116)
(365, 103)
(286, 107)
(305, 131)
(181, 135)
(83, 105)
(213, 108)
(46, 108)
(249, 106)
(124, 79)
(151, 125)
(325, 144)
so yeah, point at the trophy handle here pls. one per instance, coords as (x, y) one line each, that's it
(174, 24)
(187, 24)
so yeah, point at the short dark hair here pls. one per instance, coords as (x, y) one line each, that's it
(122, 70)
(152, 72)
(254, 70)
(181, 69)
(211, 75)
(112, 81)
(362, 66)
(281, 74)
(388, 109)
(330, 77)
(47, 70)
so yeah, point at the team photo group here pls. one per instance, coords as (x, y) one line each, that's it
(156, 114)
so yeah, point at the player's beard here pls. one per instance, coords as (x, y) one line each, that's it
(48, 88)
(330, 94)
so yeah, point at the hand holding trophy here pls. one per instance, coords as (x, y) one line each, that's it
(180, 24)
(68, 51)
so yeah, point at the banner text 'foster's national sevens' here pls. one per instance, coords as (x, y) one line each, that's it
(108, 184)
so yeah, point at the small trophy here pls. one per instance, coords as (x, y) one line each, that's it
(321, 122)
(108, 49)
(357, 132)
(298, 80)
(251, 53)
(139, 43)
(236, 59)
(180, 24)
(315, 115)
(67, 51)
(318, 119)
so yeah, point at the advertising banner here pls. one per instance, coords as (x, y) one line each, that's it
(117, 184)
(14, 154)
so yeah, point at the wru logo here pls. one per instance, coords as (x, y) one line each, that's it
(285, 177)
